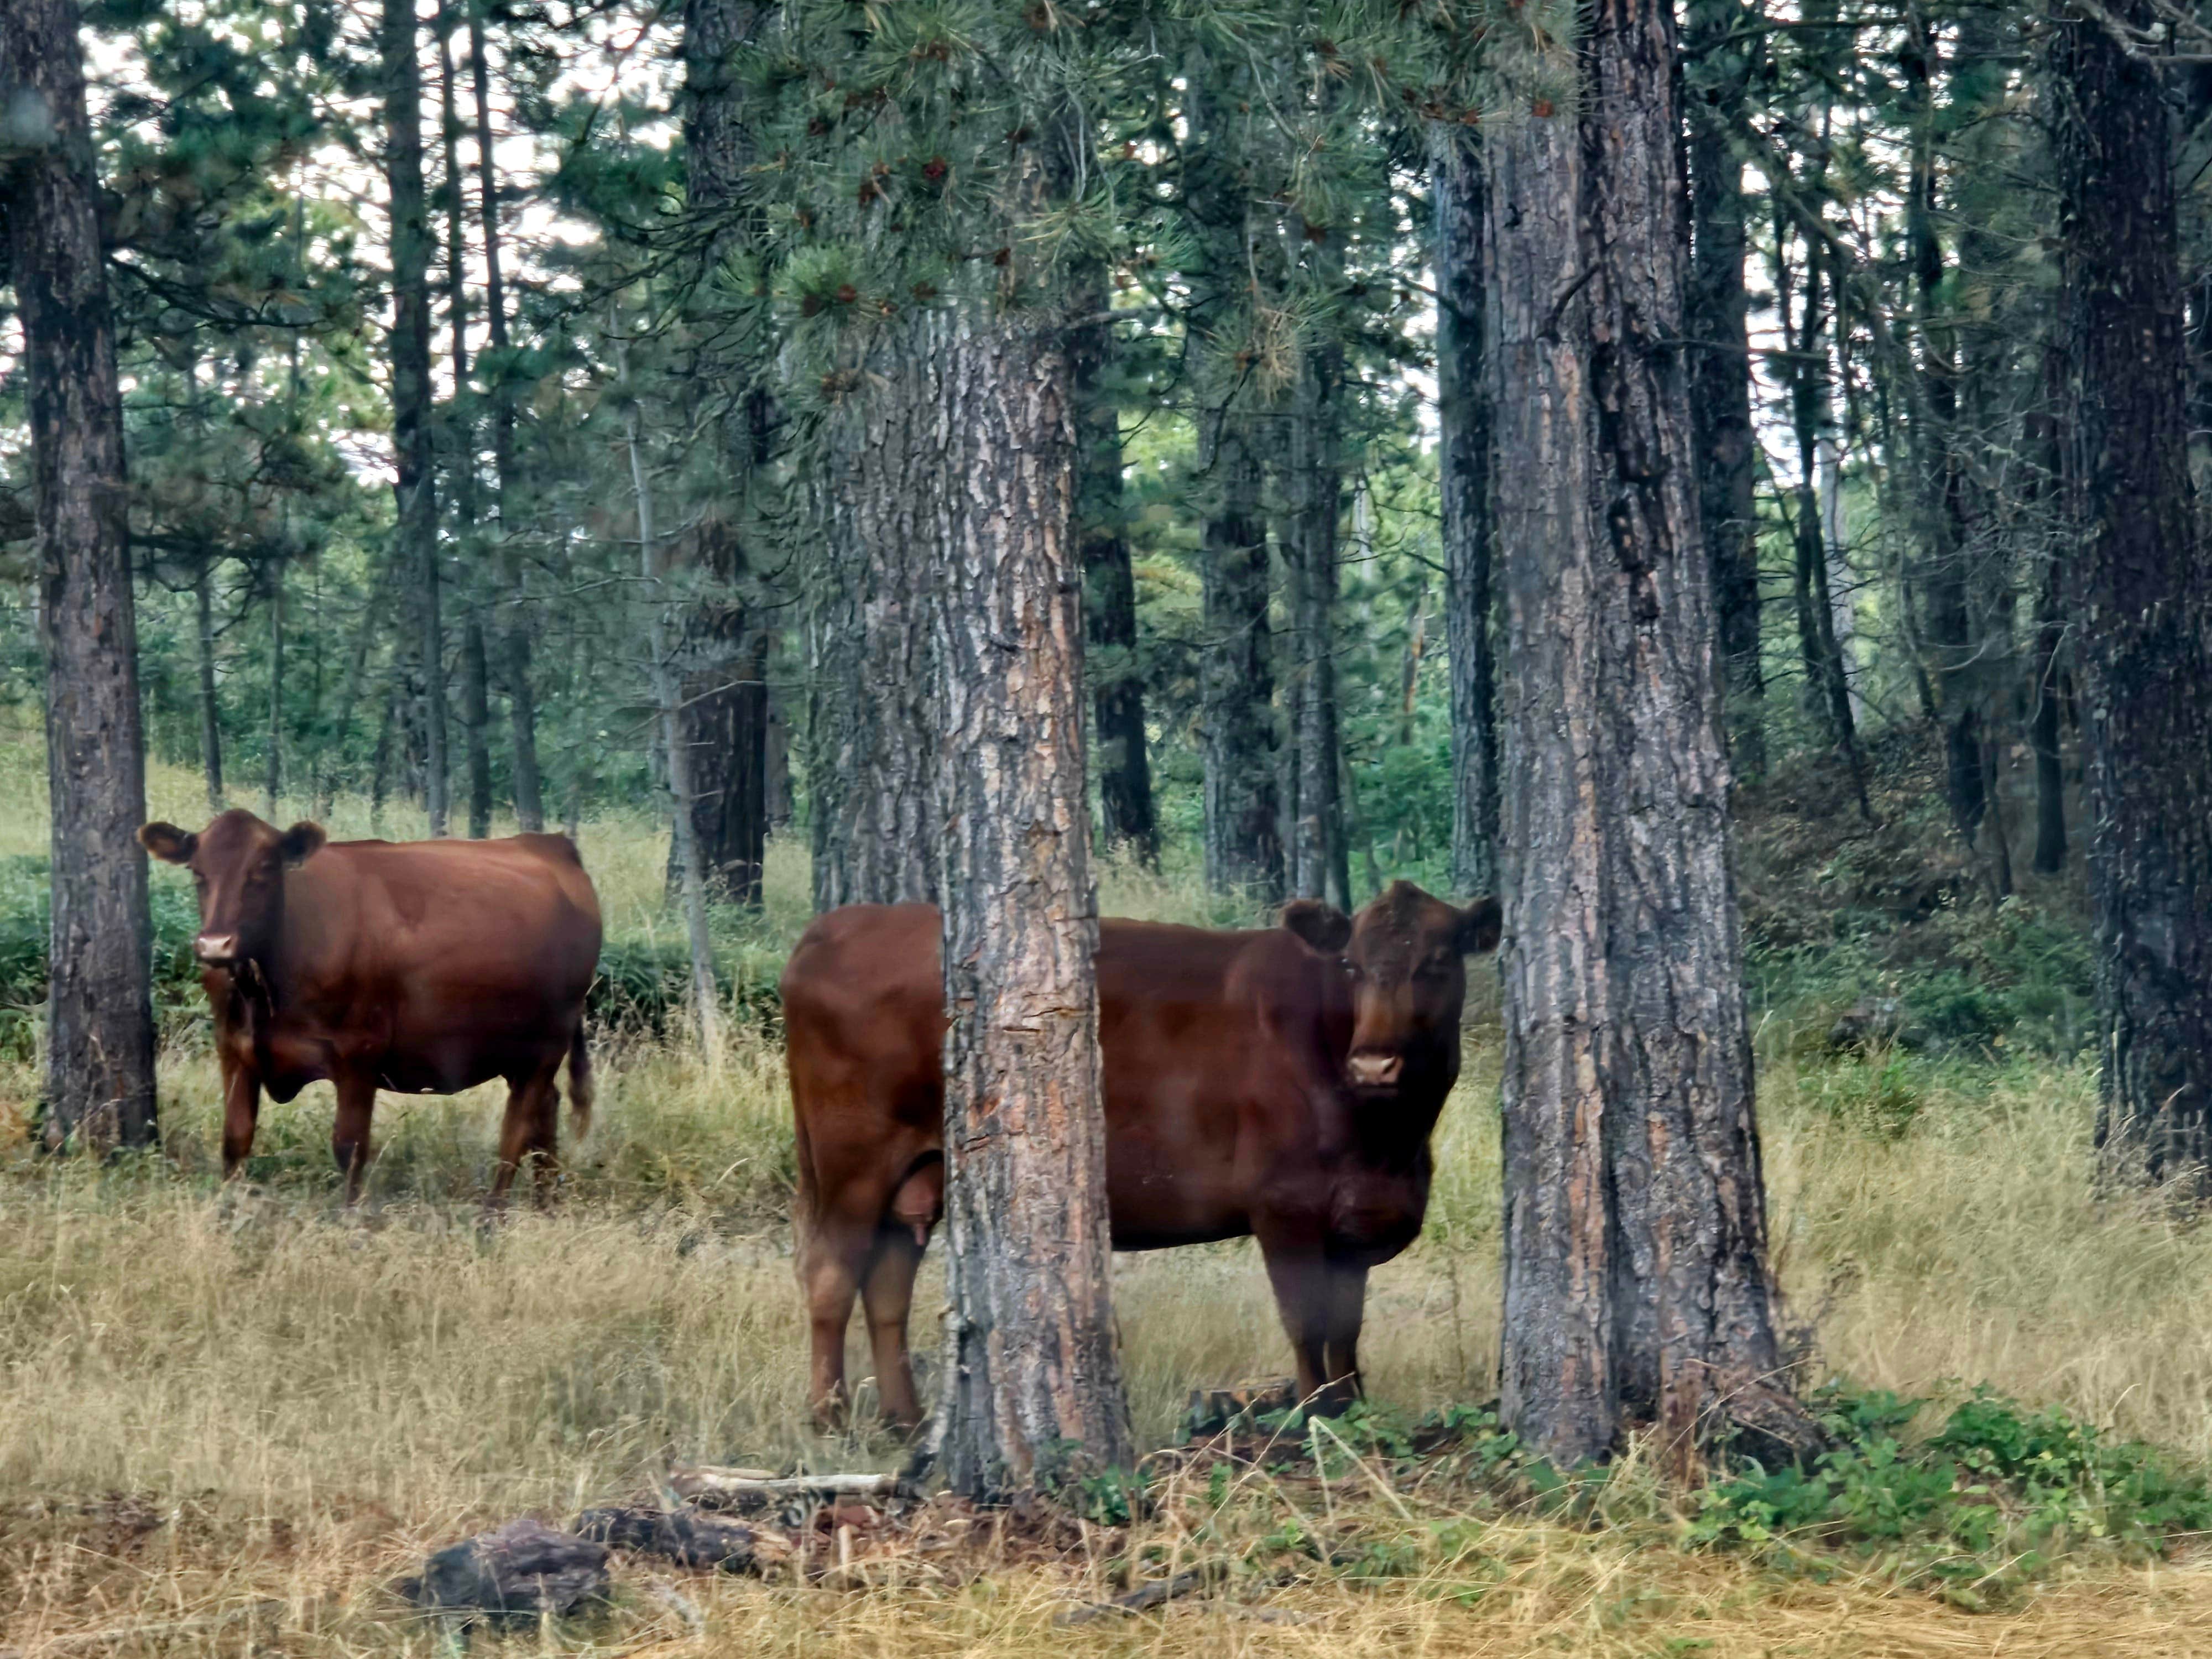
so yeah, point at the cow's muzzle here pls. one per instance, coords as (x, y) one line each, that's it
(1375, 1071)
(216, 950)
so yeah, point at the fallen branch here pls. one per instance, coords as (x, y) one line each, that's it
(1144, 1600)
(733, 1485)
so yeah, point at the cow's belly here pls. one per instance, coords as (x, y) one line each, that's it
(1172, 1172)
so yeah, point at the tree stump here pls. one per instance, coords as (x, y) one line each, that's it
(524, 1570)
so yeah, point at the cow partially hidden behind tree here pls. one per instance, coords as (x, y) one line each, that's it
(421, 967)
(1281, 1083)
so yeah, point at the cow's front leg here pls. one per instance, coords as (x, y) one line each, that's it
(1300, 1275)
(241, 1111)
(1346, 1299)
(349, 1133)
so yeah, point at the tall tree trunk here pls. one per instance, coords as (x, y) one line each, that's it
(476, 722)
(1125, 777)
(515, 636)
(2143, 602)
(724, 642)
(211, 709)
(1464, 421)
(1718, 51)
(2043, 726)
(99, 1019)
(1244, 851)
(706, 998)
(1032, 1376)
(1314, 495)
(872, 768)
(273, 784)
(1943, 578)
(1244, 794)
(413, 450)
(1635, 1283)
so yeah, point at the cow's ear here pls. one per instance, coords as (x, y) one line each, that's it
(302, 842)
(167, 842)
(1479, 925)
(1324, 926)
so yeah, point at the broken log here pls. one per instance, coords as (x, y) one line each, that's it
(689, 1537)
(524, 1570)
(1143, 1600)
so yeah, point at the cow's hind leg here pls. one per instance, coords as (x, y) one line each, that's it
(833, 1256)
(350, 1132)
(527, 1129)
(888, 1295)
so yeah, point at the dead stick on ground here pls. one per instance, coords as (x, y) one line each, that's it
(1137, 1601)
(728, 1483)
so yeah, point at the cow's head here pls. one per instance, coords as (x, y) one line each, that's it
(1405, 954)
(238, 863)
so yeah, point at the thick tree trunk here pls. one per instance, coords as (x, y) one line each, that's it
(872, 768)
(2142, 604)
(210, 707)
(100, 1020)
(1244, 851)
(778, 786)
(1464, 420)
(414, 462)
(476, 723)
(1636, 1284)
(1718, 53)
(1032, 1376)
(1125, 777)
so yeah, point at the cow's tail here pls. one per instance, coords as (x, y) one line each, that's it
(580, 1091)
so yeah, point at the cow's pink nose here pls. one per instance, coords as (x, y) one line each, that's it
(215, 949)
(1376, 1071)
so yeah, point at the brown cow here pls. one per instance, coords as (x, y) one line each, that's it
(1281, 1083)
(421, 967)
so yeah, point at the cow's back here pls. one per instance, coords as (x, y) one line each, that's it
(442, 963)
(1214, 1047)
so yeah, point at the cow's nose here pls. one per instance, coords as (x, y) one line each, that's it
(1376, 1071)
(215, 949)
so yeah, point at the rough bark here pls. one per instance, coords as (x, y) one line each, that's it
(2043, 724)
(210, 707)
(1125, 778)
(1635, 1286)
(872, 732)
(2142, 605)
(415, 486)
(100, 1022)
(1464, 420)
(1033, 1385)
(1718, 53)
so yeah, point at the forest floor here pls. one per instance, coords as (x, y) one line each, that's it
(234, 1417)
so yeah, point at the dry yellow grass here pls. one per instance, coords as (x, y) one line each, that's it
(297, 1402)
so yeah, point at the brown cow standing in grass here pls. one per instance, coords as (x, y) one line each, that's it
(1281, 1083)
(421, 967)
